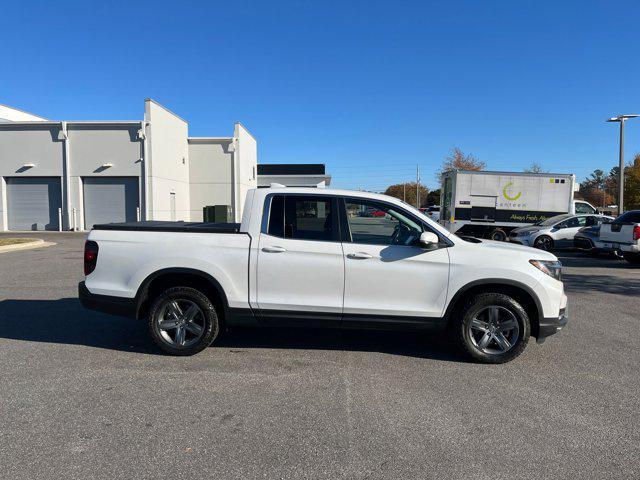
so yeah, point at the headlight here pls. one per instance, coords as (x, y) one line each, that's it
(551, 268)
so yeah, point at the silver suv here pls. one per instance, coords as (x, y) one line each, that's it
(555, 232)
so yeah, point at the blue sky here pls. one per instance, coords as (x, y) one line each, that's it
(371, 89)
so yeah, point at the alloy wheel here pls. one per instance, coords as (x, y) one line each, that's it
(181, 323)
(544, 243)
(494, 330)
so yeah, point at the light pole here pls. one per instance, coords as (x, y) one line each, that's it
(621, 119)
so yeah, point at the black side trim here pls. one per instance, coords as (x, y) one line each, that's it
(392, 322)
(124, 307)
(241, 317)
(286, 318)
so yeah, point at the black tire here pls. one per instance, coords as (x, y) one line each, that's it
(544, 242)
(498, 235)
(632, 258)
(207, 321)
(474, 308)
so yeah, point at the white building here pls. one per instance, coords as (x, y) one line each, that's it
(70, 175)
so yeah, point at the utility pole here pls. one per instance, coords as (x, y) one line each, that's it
(417, 186)
(404, 192)
(621, 119)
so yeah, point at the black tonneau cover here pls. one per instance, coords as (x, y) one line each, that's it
(161, 226)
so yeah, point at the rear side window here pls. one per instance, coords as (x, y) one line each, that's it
(629, 217)
(302, 217)
(276, 216)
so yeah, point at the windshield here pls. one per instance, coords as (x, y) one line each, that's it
(552, 221)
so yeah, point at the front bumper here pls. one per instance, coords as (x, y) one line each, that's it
(551, 326)
(124, 307)
(525, 240)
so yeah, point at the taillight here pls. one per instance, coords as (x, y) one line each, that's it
(90, 256)
(636, 232)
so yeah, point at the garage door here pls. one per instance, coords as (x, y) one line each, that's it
(110, 199)
(33, 203)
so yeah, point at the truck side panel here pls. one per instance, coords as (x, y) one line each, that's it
(126, 259)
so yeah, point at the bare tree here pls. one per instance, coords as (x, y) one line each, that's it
(535, 167)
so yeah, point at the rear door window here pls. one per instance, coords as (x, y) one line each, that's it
(303, 217)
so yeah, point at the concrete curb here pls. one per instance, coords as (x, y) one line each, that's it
(26, 246)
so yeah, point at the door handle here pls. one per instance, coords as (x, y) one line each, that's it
(359, 256)
(274, 249)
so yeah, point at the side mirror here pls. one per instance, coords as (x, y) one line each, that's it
(428, 240)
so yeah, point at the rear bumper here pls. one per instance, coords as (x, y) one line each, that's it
(582, 243)
(551, 326)
(124, 307)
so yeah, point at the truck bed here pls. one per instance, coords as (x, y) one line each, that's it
(167, 226)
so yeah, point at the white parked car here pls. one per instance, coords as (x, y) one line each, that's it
(555, 232)
(346, 265)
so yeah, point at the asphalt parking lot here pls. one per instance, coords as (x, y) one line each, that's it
(86, 395)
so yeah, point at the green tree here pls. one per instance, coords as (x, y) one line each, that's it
(407, 192)
(594, 189)
(434, 197)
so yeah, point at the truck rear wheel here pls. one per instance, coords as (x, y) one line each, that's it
(492, 328)
(183, 321)
(498, 235)
(633, 258)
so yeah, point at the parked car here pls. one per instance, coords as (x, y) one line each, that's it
(555, 232)
(623, 234)
(587, 240)
(277, 267)
(433, 212)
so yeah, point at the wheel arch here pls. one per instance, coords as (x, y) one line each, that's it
(519, 291)
(165, 278)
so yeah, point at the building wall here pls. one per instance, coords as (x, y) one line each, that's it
(172, 170)
(167, 168)
(210, 174)
(92, 146)
(245, 167)
(28, 144)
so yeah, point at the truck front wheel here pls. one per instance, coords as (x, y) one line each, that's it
(492, 328)
(183, 321)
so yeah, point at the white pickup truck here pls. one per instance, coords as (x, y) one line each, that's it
(623, 235)
(313, 257)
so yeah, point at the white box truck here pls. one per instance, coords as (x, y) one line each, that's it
(491, 204)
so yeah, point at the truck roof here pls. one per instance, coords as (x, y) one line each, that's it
(497, 172)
